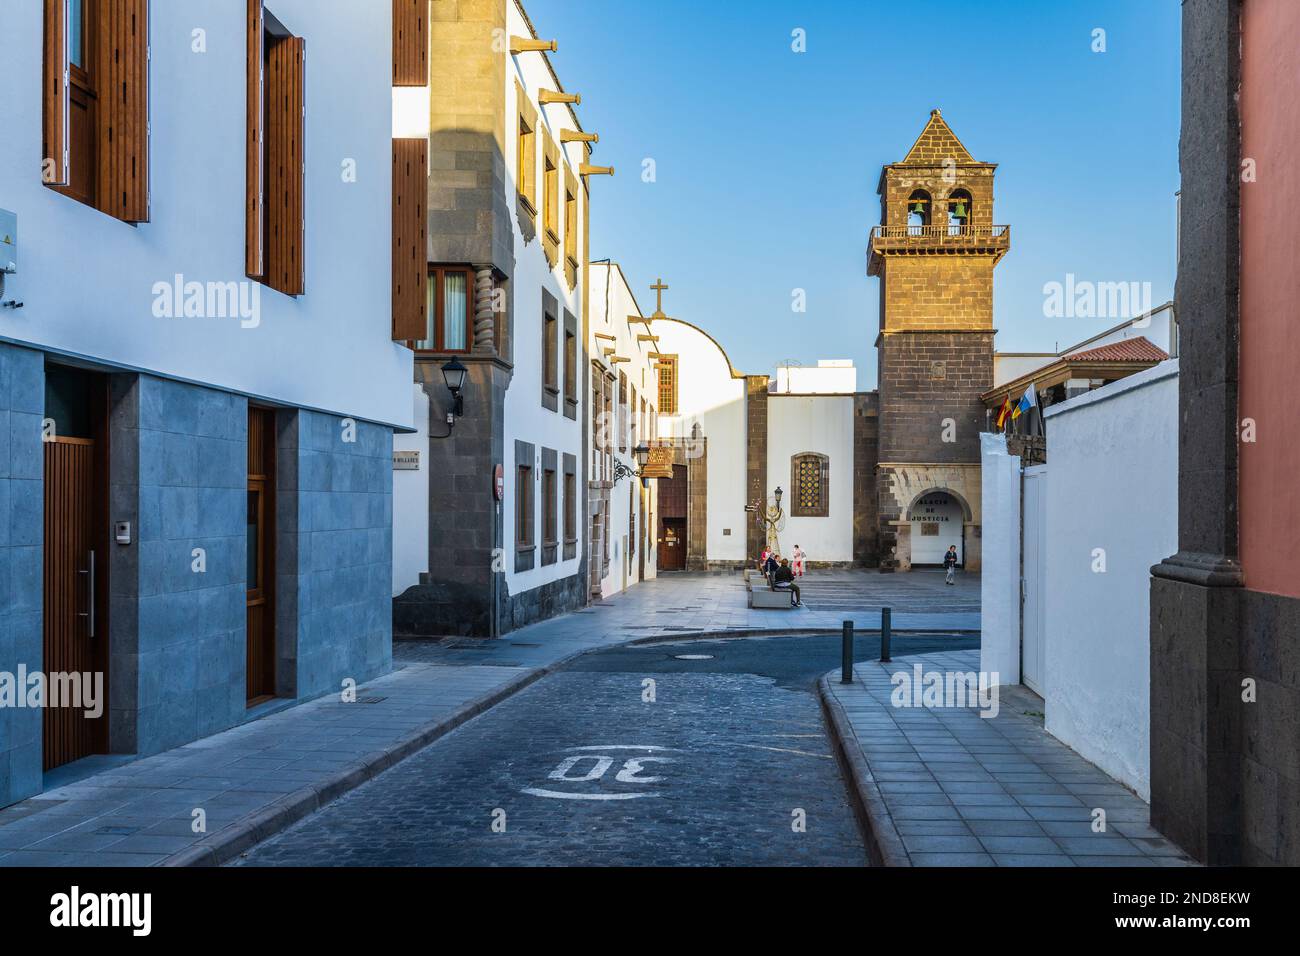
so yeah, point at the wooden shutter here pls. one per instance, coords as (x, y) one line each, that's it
(410, 43)
(122, 189)
(255, 180)
(410, 247)
(54, 95)
(285, 80)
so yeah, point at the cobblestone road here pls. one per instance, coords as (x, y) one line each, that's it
(583, 769)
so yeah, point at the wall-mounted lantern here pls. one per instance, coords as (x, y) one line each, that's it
(621, 471)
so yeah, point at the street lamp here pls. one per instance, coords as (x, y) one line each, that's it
(453, 374)
(779, 493)
(621, 471)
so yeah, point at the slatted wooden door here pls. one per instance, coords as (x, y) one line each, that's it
(260, 635)
(75, 632)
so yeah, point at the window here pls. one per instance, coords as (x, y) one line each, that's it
(635, 421)
(550, 352)
(550, 533)
(274, 160)
(525, 545)
(570, 367)
(411, 292)
(667, 367)
(550, 200)
(450, 303)
(809, 485)
(526, 154)
(95, 105)
(570, 507)
(622, 412)
(570, 228)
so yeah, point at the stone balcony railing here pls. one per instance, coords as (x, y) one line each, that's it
(905, 240)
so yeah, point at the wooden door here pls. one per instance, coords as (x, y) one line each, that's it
(75, 629)
(260, 636)
(672, 544)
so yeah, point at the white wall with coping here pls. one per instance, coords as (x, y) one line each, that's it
(821, 424)
(88, 279)
(612, 301)
(709, 393)
(1000, 585)
(1113, 455)
(526, 419)
(827, 377)
(411, 500)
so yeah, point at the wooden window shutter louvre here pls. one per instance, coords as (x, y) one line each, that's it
(410, 245)
(55, 104)
(123, 131)
(410, 43)
(255, 180)
(285, 79)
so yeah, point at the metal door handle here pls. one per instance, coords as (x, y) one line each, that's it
(89, 613)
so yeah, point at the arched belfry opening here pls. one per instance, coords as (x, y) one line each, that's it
(960, 216)
(918, 211)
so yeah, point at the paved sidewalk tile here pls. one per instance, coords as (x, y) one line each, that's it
(966, 790)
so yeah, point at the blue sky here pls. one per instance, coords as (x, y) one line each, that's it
(767, 160)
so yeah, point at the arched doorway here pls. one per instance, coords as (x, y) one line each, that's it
(937, 520)
(672, 521)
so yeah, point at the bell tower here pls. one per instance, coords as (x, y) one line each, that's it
(934, 252)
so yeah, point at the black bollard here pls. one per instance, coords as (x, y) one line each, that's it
(885, 614)
(846, 654)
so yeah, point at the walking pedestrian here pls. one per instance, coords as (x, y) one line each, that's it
(950, 564)
(797, 565)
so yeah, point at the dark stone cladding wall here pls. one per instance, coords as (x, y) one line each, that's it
(545, 601)
(866, 453)
(455, 597)
(335, 553)
(914, 400)
(22, 507)
(1223, 772)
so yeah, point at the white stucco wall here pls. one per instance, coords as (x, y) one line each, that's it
(821, 424)
(411, 500)
(612, 301)
(526, 419)
(88, 279)
(1113, 493)
(709, 393)
(1000, 584)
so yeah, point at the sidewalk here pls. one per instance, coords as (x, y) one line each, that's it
(257, 779)
(943, 786)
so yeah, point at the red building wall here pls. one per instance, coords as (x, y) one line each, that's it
(1269, 490)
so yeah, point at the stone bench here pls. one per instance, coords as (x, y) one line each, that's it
(763, 597)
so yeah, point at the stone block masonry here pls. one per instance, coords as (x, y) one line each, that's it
(925, 378)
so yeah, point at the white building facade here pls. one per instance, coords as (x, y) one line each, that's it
(199, 380)
(623, 405)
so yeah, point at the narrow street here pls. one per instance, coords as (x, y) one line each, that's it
(716, 770)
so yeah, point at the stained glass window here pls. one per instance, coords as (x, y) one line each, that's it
(809, 483)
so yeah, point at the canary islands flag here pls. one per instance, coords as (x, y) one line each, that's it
(1027, 401)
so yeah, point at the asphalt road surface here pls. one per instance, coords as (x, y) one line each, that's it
(629, 757)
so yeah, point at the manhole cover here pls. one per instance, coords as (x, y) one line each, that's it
(693, 657)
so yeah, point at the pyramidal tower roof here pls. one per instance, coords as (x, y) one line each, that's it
(937, 143)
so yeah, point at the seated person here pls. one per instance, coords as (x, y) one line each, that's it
(783, 580)
(770, 566)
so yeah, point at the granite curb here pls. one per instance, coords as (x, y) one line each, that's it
(884, 844)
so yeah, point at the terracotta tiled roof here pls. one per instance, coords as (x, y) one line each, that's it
(1139, 349)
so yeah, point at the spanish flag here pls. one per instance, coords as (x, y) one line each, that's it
(1004, 412)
